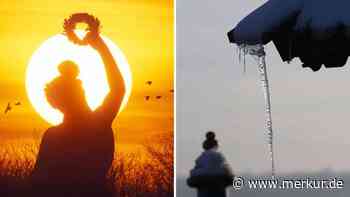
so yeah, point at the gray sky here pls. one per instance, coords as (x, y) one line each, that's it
(310, 110)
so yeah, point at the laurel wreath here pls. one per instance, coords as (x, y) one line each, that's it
(70, 25)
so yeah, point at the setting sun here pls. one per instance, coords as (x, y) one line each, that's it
(42, 69)
(102, 150)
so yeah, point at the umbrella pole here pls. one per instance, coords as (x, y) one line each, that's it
(266, 90)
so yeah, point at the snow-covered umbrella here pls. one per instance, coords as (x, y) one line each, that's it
(315, 31)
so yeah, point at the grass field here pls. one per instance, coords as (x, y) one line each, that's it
(147, 173)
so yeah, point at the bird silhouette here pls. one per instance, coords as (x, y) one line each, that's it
(158, 97)
(8, 108)
(147, 98)
(149, 83)
(18, 103)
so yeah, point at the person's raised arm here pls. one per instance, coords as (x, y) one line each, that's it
(112, 102)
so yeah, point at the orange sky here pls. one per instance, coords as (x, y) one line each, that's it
(143, 29)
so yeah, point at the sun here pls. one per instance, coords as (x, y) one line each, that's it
(42, 68)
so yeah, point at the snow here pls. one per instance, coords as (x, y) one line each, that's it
(321, 16)
(264, 19)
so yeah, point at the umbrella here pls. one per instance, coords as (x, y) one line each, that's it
(315, 31)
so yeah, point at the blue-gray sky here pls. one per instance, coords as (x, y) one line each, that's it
(310, 110)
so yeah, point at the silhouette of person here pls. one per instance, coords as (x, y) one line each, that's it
(211, 174)
(79, 151)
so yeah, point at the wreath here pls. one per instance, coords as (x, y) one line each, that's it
(70, 25)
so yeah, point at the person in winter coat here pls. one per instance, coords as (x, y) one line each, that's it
(211, 174)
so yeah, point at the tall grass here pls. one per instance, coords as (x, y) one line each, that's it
(131, 175)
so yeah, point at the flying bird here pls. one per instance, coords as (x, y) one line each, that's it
(149, 83)
(18, 103)
(8, 108)
(158, 97)
(147, 98)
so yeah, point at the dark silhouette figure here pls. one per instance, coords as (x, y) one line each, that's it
(211, 174)
(78, 152)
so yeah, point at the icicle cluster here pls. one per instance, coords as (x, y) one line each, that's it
(257, 51)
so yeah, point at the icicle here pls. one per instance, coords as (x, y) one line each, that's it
(266, 90)
(244, 53)
(239, 55)
(241, 49)
(258, 52)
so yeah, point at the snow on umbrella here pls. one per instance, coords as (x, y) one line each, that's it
(315, 31)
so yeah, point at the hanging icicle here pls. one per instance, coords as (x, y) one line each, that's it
(266, 90)
(240, 50)
(257, 51)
